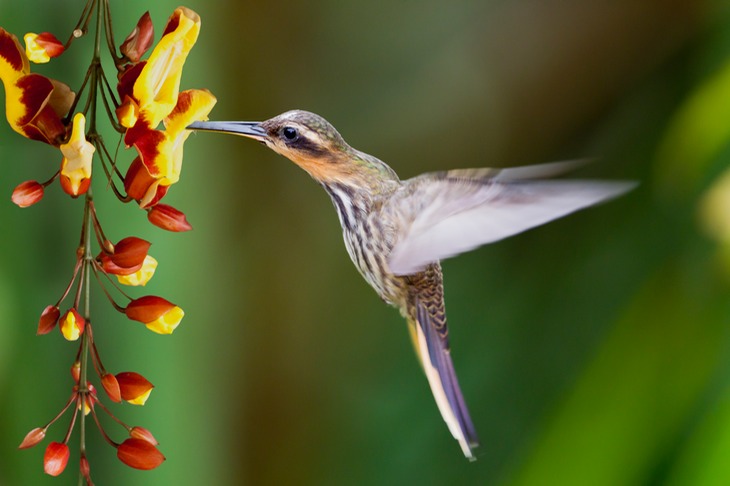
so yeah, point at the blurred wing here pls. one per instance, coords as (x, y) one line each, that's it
(448, 213)
(433, 351)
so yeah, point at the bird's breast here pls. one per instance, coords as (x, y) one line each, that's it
(369, 239)
(369, 248)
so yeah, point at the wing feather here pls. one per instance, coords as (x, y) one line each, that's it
(448, 213)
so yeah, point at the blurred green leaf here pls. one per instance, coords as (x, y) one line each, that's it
(696, 134)
(632, 401)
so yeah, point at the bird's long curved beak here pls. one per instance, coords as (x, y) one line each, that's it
(245, 129)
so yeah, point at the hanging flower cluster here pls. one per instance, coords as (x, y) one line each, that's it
(150, 114)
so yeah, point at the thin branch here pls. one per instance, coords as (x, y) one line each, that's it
(97, 268)
(101, 429)
(103, 152)
(109, 32)
(63, 411)
(82, 25)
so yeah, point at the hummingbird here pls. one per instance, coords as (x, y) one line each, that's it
(397, 231)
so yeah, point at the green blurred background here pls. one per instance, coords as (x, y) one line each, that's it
(593, 351)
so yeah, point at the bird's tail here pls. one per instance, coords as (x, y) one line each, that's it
(433, 351)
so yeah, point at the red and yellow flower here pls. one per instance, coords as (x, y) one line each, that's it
(153, 115)
(34, 104)
(133, 387)
(72, 325)
(142, 276)
(78, 153)
(150, 94)
(158, 314)
(40, 48)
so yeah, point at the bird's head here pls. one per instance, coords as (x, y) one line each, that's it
(305, 138)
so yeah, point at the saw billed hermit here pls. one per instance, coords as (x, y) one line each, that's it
(397, 231)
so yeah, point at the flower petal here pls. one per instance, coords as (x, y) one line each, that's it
(13, 61)
(141, 276)
(139, 454)
(40, 48)
(158, 84)
(48, 320)
(192, 105)
(167, 322)
(130, 252)
(28, 96)
(31, 111)
(72, 325)
(78, 154)
(158, 314)
(141, 186)
(138, 432)
(133, 387)
(111, 387)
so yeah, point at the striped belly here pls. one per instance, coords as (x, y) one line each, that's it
(367, 243)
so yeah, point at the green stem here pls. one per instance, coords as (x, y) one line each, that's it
(85, 337)
(88, 258)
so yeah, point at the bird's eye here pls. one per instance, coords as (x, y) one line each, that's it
(290, 133)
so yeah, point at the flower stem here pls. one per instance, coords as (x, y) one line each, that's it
(89, 218)
(84, 392)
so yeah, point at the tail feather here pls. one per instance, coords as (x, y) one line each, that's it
(432, 349)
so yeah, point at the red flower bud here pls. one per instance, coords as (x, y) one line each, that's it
(32, 438)
(111, 387)
(148, 308)
(55, 458)
(168, 218)
(144, 434)
(85, 469)
(76, 371)
(48, 320)
(130, 252)
(27, 194)
(134, 387)
(139, 454)
(110, 267)
(50, 44)
(139, 40)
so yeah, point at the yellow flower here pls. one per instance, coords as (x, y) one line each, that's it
(78, 154)
(161, 151)
(156, 89)
(141, 276)
(193, 105)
